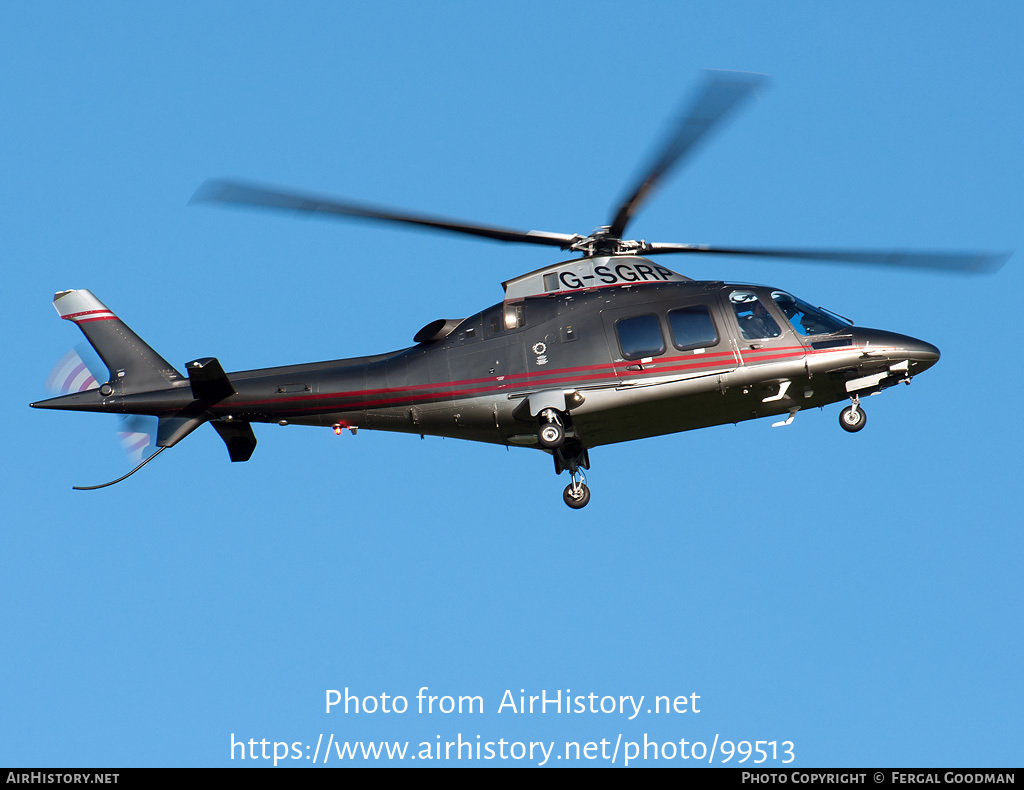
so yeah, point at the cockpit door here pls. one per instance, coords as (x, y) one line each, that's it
(761, 334)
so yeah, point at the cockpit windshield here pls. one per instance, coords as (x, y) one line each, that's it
(805, 319)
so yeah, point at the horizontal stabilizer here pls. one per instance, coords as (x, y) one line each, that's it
(239, 438)
(172, 430)
(208, 379)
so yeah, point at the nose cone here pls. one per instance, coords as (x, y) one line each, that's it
(923, 354)
(918, 353)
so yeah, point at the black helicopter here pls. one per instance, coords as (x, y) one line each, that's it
(601, 348)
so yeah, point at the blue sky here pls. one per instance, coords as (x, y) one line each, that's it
(859, 595)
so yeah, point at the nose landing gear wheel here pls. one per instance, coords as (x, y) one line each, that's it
(853, 418)
(576, 495)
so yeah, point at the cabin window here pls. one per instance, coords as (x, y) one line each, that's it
(640, 337)
(754, 319)
(513, 315)
(692, 327)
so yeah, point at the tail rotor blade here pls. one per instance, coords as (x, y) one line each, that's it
(137, 433)
(77, 371)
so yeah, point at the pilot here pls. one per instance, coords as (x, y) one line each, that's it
(759, 323)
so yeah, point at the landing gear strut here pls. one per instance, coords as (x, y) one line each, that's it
(573, 458)
(853, 417)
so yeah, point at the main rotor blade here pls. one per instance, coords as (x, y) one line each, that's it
(724, 91)
(972, 262)
(242, 193)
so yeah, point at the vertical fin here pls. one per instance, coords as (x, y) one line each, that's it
(133, 365)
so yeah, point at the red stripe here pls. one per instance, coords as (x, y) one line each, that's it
(546, 374)
(86, 312)
(497, 385)
(494, 385)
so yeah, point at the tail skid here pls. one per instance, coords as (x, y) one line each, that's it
(123, 477)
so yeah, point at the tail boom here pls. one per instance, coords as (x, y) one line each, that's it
(142, 382)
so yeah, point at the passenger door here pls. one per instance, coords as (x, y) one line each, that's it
(671, 339)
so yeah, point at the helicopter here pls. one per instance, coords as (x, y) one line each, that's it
(607, 346)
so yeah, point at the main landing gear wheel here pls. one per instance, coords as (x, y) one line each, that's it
(576, 495)
(573, 458)
(853, 418)
(551, 434)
